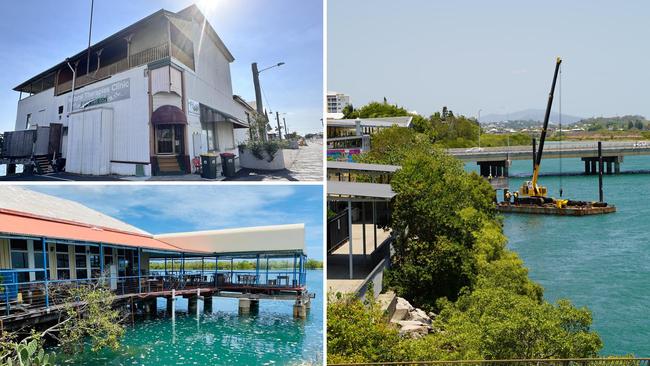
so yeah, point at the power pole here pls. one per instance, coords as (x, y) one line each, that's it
(258, 98)
(90, 34)
(277, 117)
(258, 91)
(285, 126)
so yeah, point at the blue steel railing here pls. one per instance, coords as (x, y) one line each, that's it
(22, 296)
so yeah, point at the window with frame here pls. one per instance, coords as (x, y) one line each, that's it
(62, 262)
(20, 258)
(28, 123)
(93, 259)
(81, 265)
(38, 262)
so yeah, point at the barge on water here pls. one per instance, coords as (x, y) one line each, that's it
(553, 209)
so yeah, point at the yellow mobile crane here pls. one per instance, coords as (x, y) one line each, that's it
(530, 192)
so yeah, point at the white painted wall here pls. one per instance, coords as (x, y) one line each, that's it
(130, 130)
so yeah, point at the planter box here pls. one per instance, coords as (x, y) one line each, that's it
(283, 159)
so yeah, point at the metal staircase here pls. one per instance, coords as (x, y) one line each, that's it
(42, 163)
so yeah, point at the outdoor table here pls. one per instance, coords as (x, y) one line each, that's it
(283, 278)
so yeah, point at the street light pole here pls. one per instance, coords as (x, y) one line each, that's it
(258, 89)
(90, 33)
(479, 128)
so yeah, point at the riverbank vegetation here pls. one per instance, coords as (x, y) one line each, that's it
(451, 259)
(87, 319)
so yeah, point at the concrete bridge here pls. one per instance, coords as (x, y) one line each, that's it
(494, 161)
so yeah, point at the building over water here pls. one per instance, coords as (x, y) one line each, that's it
(148, 99)
(48, 242)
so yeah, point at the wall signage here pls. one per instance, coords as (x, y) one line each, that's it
(113, 92)
(194, 107)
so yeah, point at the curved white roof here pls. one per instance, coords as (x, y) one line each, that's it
(251, 239)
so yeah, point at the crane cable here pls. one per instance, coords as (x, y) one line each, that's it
(560, 121)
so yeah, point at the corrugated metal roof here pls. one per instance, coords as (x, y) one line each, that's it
(17, 223)
(380, 168)
(372, 122)
(20, 199)
(359, 190)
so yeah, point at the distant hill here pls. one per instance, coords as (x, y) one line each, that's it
(529, 115)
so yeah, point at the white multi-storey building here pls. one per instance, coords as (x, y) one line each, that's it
(336, 102)
(149, 99)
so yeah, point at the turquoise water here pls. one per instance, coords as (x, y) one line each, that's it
(602, 262)
(272, 337)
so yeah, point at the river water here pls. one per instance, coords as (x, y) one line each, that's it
(602, 261)
(272, 337)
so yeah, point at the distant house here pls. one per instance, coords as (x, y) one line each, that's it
(150, 97)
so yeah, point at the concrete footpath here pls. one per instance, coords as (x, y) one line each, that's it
(308, 167)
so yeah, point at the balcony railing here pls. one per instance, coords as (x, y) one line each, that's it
(338, 231)
(144, 57)
(23, 297)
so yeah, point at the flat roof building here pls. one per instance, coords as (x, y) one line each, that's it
(152, 96)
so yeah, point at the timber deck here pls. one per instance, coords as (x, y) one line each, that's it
(33, 315)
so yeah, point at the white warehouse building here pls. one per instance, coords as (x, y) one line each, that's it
(153, 96)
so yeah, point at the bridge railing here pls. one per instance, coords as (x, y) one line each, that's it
(526, 362)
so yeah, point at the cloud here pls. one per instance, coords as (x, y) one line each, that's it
(197, 207)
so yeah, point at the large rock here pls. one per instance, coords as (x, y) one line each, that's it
(413, 329)
(419, 315)
(402, 310)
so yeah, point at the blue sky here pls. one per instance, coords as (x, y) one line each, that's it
(37, 34)
(497, 56)
(160, 209)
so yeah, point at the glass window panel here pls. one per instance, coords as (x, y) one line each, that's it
(62, 261)
(40, 276)
(94, 261)
(80, 249)
(80, 260)
(22, 277)
(19, 260)
(63, 274)
(38, 260)
(18, 244)
(108, 261)
(94, 250)
(62, 248)
(81, 274)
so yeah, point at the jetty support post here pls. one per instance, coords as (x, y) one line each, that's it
(248, 306)
(173, 301)
(45, 277)
(600, 171)
(299, 309)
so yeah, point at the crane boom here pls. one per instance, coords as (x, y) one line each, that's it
(547, 115)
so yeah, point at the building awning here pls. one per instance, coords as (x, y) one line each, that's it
(353, 191)
(23, 224)
(168, 115)
(362, 167)
(211, 115)
(263, 239)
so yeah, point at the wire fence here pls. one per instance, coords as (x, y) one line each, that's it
(523, 362)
